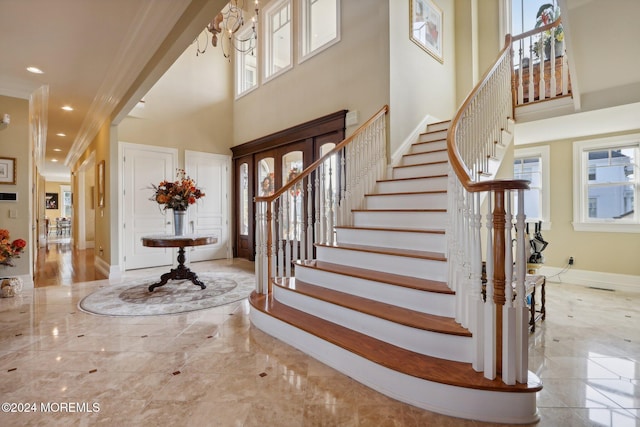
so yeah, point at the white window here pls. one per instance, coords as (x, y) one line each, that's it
(533, 164)
(246, 63)
(320, 26)
(606, 184)
(278, 38)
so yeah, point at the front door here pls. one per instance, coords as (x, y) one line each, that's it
(244, 207)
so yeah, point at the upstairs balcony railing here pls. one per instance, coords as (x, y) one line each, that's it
(541, 70)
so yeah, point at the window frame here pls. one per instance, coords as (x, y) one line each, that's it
(543, 153)
(581, 220)
(304, 32)
(240, 65)
(267, 36)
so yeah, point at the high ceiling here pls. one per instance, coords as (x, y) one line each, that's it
(98, 57)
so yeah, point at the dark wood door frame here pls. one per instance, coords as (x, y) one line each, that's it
(311, 134)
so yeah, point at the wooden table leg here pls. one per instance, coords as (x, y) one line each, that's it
(179, 273)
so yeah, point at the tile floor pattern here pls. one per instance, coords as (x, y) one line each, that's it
(212, 368)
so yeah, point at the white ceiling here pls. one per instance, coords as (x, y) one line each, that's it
(98, 56)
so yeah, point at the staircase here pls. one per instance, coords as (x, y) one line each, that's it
(375, 303)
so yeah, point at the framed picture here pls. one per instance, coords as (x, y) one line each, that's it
(51, 200)
(425, 26)
(101, 184)
(7, 170)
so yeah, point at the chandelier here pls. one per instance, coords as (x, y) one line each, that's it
(226, 24)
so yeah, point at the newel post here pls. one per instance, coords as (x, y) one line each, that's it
(499, 216)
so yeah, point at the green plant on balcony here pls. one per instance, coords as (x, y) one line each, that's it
(547, 14)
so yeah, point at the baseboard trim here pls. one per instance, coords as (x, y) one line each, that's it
(593, 279)
(111, 271)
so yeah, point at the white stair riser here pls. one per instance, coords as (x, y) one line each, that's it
(417, 220)
(429, 157)
(423, 184)
(432, 136)
(407, 201)
(413, 299)
(438, 126)
(444, 346)
(432, 242)
(475, 404)
(428, 147)
(420, 170)
(408, 266)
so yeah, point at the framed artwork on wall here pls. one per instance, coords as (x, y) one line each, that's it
(101, 184)
(51, 200)
(425, 26)
(7, 170)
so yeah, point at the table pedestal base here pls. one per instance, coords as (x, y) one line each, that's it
(179, 273)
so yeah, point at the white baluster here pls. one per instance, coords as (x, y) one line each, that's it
(522, 323)
(281, 237)
(508, 310)
(310, 197)
(489, 306)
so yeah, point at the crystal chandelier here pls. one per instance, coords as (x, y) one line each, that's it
(227, 23)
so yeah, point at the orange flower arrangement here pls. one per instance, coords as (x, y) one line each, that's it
(9, 249)
(177, 195)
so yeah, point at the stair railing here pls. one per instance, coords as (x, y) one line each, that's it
(305, 210)
(497, 321)
(547, 76)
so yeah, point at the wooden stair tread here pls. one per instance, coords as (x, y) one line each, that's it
(410, 282)
(426, 152)
(395, 230)
(412, 177)
(429, 142)
(411, 253)
(392, 313)
(398, 210)
(422, 164)
(429, 368)
(407, 193)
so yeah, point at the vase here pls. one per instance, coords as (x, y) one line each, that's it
(179, 222)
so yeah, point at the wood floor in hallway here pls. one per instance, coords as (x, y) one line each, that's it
(59, 263)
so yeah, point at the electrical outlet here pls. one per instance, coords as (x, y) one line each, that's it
(570, 260)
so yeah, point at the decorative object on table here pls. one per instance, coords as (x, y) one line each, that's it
(133, 298)
(10, 249)
(7, 170)
(425, 20)
(537, 245)
(177, 195)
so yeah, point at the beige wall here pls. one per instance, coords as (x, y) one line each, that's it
(205, 83)
(353, 75)
(601, 252)
(419, 84)
(14, 143)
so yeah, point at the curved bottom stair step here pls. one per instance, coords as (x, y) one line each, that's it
(440, 385)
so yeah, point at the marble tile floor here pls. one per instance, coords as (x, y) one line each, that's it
(212, 368)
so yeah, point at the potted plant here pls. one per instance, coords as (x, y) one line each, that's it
(547, 14)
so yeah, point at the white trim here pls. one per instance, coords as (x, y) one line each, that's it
(303, 30)
(266, 36)
(597, 279)
(113, 272)
(580, 164)
(543, 152)
(240, 66)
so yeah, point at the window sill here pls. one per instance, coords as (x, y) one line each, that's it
(606, 227)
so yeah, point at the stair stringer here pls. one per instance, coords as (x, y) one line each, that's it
(469, 403)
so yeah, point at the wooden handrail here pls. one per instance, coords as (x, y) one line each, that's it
(538, 30)
(318, 162)
(460, 169)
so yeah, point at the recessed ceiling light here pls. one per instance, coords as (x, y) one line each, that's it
(67, 108)
(57, 149)
(54, 160)
(61, 134)
(35, 70)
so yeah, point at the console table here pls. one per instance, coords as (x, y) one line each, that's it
(181, 272)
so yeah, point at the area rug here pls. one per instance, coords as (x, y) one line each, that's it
(177, 296)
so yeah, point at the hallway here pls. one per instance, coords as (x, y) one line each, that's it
(58, 263)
